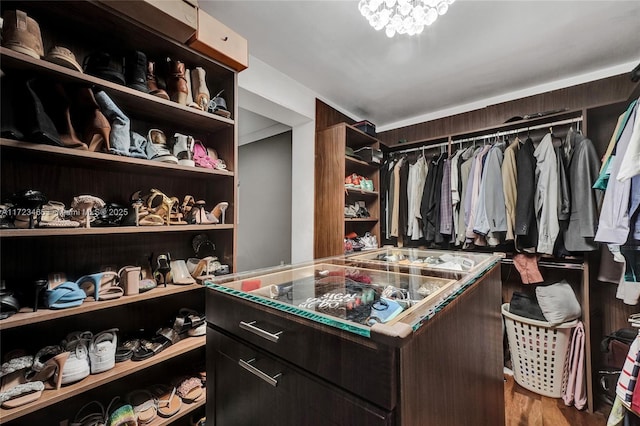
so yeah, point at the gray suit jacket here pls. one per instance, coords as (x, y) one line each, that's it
(584, 166)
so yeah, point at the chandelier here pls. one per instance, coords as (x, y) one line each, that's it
(402, 16)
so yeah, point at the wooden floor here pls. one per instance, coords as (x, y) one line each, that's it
(525, 408)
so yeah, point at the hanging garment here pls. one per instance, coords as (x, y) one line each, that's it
(509, 186)
(546, 195)
(634, 209)
(605, 171)
(630, 165)
(446, 206)
(476, 171)
(576, 393)
(492, 218)
(613, 225)
(465, 171)
(415, 187)
(455, 191)
(583, 219)
(403, 207)
(385, 174)
(526, 229)
(629, 375)
(395, 210)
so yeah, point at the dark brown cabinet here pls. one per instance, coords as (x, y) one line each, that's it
(273, 361)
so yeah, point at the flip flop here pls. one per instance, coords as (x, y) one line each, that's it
(145, 405)
(169, 403)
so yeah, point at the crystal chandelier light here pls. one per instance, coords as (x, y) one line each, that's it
(402, 16)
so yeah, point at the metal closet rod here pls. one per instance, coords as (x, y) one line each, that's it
(491, 135)
(547, 264)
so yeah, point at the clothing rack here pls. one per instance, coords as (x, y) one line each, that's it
(516, 131)
(547, 264)
(491, 135)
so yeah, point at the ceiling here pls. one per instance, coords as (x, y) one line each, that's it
(479, 50)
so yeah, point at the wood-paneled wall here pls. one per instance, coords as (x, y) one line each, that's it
(588, 95)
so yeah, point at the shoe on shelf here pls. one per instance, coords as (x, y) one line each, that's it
(183, 149)
(163, 268)
(190, 103)
(145, 405)
(82, 209)
(64, 57)
(130, 279)
(102, 351)
(21, 33)
(152, 83)
(219, 211)
(120, 134)
(135, 71)
(201, 95)
(77, 366)
(157, 149)
(94, 126)
(15, 390)
(177, 82)
(180, 274)
(190, 389)
(169, 403)
(54, 215)
(47, 364)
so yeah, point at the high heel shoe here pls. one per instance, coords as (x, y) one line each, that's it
(220, 210)
(96, 129)
(38, 287)
(163, 269)
(201, 215)
(28, 208)
(82, 206)
(160, 204)
(47, 365)
(102, 286)
(201, 94)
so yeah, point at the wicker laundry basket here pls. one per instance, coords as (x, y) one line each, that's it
(539, 353)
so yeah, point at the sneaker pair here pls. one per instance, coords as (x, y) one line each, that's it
(181, 150)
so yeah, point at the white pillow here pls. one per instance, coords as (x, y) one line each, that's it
(558, 302)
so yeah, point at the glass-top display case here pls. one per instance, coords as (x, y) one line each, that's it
(380, 289)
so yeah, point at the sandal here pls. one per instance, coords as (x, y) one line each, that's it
(82, 207)
(180, 274)
(65, 295)
(187, 320)
(102, 351)
(201, 216)
(15, 391)
(187, 209)
(102, 286)
(190, 389)
(200, 156)
(121, 416)
(95, 417)
(145, 405)
(129, 277)
(199, 267)
(164, 267)
(169, 403)
(53, 216)
(159, 204)
(9, 305)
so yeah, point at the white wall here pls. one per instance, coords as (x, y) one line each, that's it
(264, 223)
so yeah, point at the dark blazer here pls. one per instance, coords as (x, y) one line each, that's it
(526, 230)
(584, 166)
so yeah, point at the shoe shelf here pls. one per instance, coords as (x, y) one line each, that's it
(155, 109)
(50, 232)
(121, 369)
(186, 409)
(26, 316)
(75, 156)
(358, 191)
(355, 161)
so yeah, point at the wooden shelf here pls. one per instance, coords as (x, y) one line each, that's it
(61, 232)
(184, 410)
(121, 369)
(26, 316)
(156, 109)
(358, 191)
(361, 219)
(350, 159)
(77, 156)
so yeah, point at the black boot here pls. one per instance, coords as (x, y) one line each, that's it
(136, 71)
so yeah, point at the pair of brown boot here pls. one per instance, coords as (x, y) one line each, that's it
(186, 87)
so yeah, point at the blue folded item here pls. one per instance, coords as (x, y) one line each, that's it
(66, 295)
(384, 310)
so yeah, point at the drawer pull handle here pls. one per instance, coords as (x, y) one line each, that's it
(225, 38)
(273, 381)
(250, 326)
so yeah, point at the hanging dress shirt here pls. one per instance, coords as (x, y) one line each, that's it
(415, 187)
(446, 208)
(492, 218)
(546, 195)
(613, 226)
